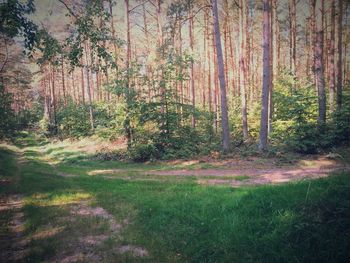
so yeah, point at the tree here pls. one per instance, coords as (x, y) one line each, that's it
(331, 58)
(293, 33)
(266, 77)
(319, 68)
(221, 73)
(340, 58)
(243, 69)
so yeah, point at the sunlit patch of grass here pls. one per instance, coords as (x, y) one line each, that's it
(286, 216)
(47, 232)
(57, 199)
(307, 163)
(223, 177)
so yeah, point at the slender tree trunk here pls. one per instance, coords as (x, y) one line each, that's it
(246, 28)
(127, 122)
(115, 48)
(216, 83)
(272, 63)
(293, 29)
(88, 88)
(63, 83)
(266, 77)
(209, 65)
(331, 59)
(53, 97)
(319, 71)
(340, 58)
(76, 100)
(224, 111)
(243, 74)
(82, 85)
(193, 91)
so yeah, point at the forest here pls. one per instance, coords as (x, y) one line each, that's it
(174, 130)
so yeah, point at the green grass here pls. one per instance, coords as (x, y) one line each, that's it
(181, 221)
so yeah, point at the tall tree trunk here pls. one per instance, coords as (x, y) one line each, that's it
(88, 88)
(224, 112)
(209, 64)
(63, 82)
(340, 58)
(243, 73)
(193, 91)
(82, 85)
(273, 8)
(293, 32)
(53, 97)
(216, 83)
(313, 38)
(115, 48)
(331, 58)
(319, 71)
(127, 122)
(266, 77)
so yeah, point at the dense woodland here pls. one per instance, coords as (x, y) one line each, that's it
(179, 78)
(175, 131)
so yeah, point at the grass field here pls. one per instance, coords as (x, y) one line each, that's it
(72, 214)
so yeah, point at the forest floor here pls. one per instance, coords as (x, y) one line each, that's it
(57, 204)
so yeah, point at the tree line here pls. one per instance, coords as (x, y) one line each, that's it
(188, 58)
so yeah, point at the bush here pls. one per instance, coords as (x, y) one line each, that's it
(7, 115)
(73, 120)
(143, 152)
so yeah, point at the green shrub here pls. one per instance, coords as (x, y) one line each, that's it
(7, 115)
(143, 152)
(73, 120)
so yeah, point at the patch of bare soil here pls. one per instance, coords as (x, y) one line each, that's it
(134, 250)
(88, 247)
(106, 171)
(85, 210)
(66, 174)
(13, 245)
(256, 175)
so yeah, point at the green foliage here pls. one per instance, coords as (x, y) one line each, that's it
(143, 152)
(73, 120)
(294, 106)
(295, 118)
(108, 119)
(29, 118)
(14, 21)
(7, 115)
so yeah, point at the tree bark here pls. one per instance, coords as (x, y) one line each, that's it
(88, 88)
(193, 91)
(63, 83)
(243, 74)
(319, 71)
(221, 73)
(127, 122)
(331, 59)
(293, 32)
(340, 58)
(266, 76)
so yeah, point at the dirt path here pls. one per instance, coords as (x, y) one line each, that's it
(256, 176)
(13, 245)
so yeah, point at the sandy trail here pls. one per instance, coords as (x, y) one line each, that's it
(256, 175)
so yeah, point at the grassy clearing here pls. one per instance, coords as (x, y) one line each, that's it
(178, 220)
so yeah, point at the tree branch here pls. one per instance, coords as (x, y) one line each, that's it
(69, 9)
(144, 2)
(200, 9)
